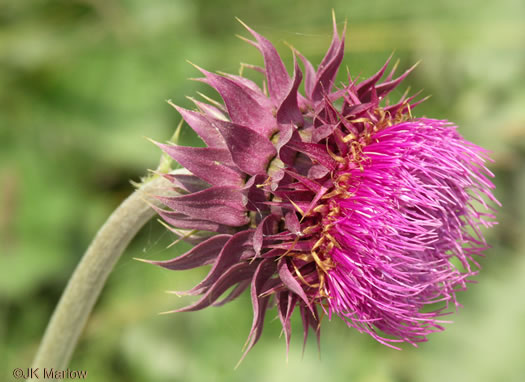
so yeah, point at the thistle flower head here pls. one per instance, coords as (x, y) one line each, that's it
(334, 201)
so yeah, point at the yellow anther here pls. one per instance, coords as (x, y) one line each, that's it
(349, 138)
(337, 158)
(318, 261)
(297, 207)
(309, 230)
(298, 273)
(317, 244)
(321, 208)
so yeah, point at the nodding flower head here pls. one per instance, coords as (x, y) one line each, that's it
(335, 201)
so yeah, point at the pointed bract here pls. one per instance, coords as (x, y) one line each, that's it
(329, 66)
(219, 204)
(288, 111)
(276, 74)
(213, 165)
(202, 127)
(241, 142)
(245, 107)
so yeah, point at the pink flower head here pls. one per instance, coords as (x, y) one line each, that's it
(334, 201)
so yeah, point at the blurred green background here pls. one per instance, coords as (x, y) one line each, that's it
(83, 82)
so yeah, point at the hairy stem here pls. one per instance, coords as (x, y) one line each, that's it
(84, 287)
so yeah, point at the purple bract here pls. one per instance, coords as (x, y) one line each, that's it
(335, 201)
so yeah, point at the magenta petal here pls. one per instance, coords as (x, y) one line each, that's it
(219, 204)
(250, 150)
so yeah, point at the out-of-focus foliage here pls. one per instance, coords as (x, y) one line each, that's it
(82, 82)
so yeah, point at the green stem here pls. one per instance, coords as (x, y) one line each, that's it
(88, 279)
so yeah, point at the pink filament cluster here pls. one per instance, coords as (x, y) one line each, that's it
(409, 231)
